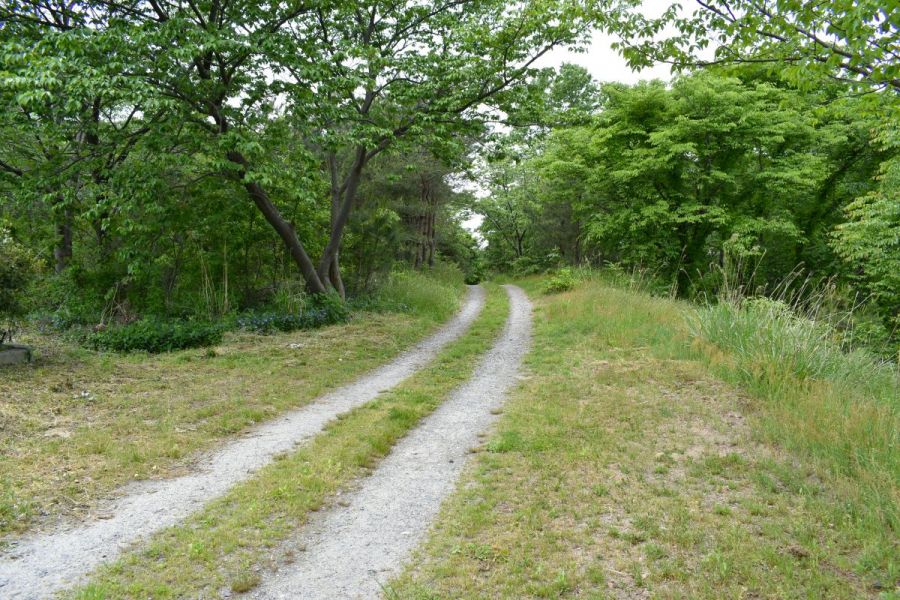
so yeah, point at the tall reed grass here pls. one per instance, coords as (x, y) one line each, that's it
(819, 397)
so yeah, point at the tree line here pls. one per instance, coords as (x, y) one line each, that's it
(155, 147)
(164, 154)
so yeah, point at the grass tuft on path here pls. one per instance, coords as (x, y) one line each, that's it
(232, 543)
(633, 463)
(77, 425)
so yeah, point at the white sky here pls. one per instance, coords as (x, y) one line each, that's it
(603, 62)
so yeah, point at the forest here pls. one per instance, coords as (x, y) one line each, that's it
(282, 150)
(588, 337)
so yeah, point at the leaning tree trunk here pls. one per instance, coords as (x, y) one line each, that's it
(284, 229)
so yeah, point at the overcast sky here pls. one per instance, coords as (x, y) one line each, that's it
(603, 62)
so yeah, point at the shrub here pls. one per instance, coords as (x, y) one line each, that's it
(152, 335)
(65, 300)
(330, 307)
(319, 310)
(563, 281)
(17, 268)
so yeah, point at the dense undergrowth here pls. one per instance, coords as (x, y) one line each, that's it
(432, 294)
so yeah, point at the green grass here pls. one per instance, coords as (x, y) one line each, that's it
(227, 544)
(629, 464)
(840, 410)
(77, 424)
(409, 292)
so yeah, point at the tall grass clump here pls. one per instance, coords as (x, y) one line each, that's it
(770, 338)
(433, 293)
(836, 405)
(635, 278)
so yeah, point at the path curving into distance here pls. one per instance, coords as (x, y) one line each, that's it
(40, 565)
(352, 551)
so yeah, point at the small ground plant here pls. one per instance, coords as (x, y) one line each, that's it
(318, 310)
(153, 336)
(563, 281)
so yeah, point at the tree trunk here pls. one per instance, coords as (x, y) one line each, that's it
(692, 256)
(431, 237)
(340, 215)
(282, 227)
(334, 269)
(334, 277)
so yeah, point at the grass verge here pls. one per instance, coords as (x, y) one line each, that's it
(838, 410)
(625, 467)
(230, 544)
(76, 425)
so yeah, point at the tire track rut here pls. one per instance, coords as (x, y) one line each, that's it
(351, 551)
(39, 565)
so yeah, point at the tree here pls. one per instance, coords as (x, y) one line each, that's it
(403, 87)
(854, 41)
(354, 78)
(714, 170)
(508, 209)
(869, 240)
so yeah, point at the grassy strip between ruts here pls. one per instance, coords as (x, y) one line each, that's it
(624, 468)
(77, 424)
(234, 540)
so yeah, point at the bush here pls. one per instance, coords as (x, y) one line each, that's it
(319, 310)
(152, 335)
(65, 300)
(330, 307)
(17, 268)
(563, 281)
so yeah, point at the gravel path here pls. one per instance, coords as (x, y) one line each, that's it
(40, 565)
(351, 551)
